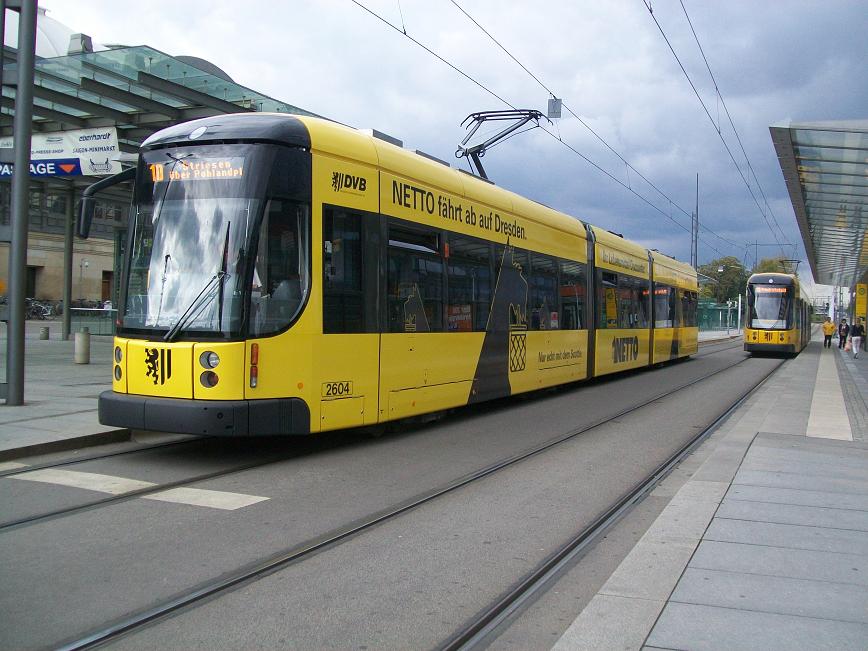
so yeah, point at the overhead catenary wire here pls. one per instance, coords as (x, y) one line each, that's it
(629, 167)
(731, 123)
(504, 101)
(711, 119)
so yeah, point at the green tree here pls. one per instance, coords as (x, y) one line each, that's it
(769, 265)
(728, 279)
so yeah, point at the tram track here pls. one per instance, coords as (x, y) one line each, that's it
(266, 566)
(485, 625)
(141, 492)
(97, 457)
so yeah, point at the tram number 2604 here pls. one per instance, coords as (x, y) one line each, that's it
(336, 389)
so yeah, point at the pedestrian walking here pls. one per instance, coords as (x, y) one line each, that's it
(828, 331)
(843, 331)
(857, 332)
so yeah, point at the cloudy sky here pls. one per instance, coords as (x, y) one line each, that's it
(773, 62)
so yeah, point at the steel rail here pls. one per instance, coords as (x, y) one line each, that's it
(192, 441)
(275, 562)
(139, 492)
(113, 499)
(96, 457)
(487, 622)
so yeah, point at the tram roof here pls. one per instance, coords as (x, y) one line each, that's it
(139, 90)
(825, 166)
(774, 279)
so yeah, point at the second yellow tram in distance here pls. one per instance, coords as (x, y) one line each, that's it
(778, 318)
(289, 275)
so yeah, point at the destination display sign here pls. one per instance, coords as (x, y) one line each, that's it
(181, 169)
(764, 289)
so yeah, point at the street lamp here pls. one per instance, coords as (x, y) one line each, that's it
(82, 265)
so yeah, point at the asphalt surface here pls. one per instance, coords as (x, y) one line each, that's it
(408, 583)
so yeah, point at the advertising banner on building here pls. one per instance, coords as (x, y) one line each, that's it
(88, 152)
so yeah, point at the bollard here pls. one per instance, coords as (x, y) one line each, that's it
(82, 346)
(43, 333)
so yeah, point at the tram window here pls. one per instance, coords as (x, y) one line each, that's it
(469, 297)
(544, 313)
(688, 301)
(281, 277)
(643, 307)
(572, 294)
(627, 302)
(607, 299)
(664, 306)
(415, 281)
(343, 300)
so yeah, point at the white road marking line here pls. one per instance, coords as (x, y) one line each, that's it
(11, 465)
(120, 485)
(212, 499)
(86, 480)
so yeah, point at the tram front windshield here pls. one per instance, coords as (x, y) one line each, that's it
(215, 250)
(770, 307)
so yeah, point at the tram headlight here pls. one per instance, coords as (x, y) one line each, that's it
(209, 379)
(119, 354)
(118, 373)
(209, 359)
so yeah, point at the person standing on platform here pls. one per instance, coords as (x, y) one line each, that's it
(828, 331)
(843, 331)
(857, 332)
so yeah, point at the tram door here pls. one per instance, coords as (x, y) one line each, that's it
(348, 364)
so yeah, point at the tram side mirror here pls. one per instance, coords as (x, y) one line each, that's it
(85, 216)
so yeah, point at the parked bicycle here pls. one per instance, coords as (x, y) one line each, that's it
(37, 309)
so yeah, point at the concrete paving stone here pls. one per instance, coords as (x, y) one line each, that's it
(845, 459)
(781, 562)
(610, 622)
(650, 571)
(683, 520)
(806, 468)
(799, 482)
(718, 469)
(822, 446)
(812, 516)
(705, 491)
(20, 432)
(705, 628)
(788, 536)
(773, 594)
(800, 497)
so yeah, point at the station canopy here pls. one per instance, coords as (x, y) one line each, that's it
(138, 90)
(825, 166)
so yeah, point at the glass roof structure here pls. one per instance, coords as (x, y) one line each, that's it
(139, 90)
(825, 166)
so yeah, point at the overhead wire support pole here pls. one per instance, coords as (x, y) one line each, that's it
(476, 152)
(22, 127)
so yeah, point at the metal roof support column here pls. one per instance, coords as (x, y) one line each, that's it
(2, 38)
(20, 204)
(67, 262)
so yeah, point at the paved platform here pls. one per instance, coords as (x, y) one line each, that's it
(60, 396)
(766, 545)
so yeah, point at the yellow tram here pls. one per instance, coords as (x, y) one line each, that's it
(289, 275)
(778, 319)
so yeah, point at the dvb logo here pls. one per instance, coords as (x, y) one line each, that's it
(348, 182)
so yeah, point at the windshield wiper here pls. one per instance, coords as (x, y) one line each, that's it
(204, 297)
(202, 300)
(223, 263)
